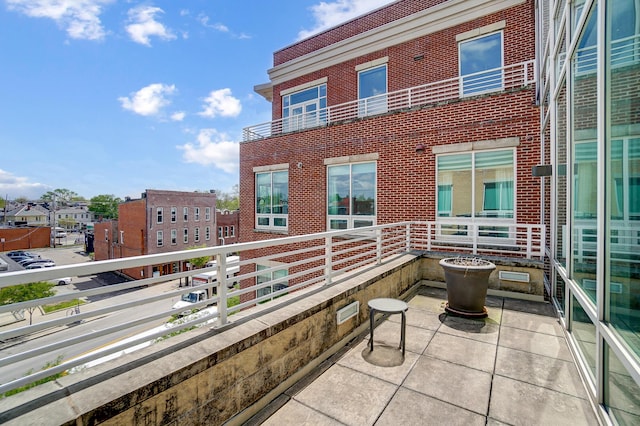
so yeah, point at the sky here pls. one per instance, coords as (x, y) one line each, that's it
(112, 97)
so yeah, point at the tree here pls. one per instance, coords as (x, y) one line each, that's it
(105, 206)
(228, 201)
(25, 292)
(198, 262)
(62, 196)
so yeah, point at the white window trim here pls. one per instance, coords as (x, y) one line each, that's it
(351, 218)
(267, 169)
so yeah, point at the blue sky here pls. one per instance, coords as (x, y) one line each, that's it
(116, 97)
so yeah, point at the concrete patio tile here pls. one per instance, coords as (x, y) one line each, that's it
(388, 333)
(349, 396)
(532, 322)
(483, 330)
(537, 343)
(550, 373)
(520, 403)
(423, 319)
(528, 306)
(412, 408)
(462, 351)
(295, 413)
(430, 304)
(384, 363)
(458, 385)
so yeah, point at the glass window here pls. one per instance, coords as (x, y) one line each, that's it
(622, 393)
(372, 90)
(481, 64)
(207, 213)
(185, 235)
(351, 195)
(207, 233)
(174, 236)
(159, 238)
(272, 200)
(159, 215)
(307, 108)
(196, 235)
(232, 231)
(174, 214)
(196, 213)
(268, 277)
(185, 213)
(584, 333)
(476, 184)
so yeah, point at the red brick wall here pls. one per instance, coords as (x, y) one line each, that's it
(25, 238)
(227, 220)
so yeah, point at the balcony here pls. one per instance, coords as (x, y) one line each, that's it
(119, 358)
(490, 81)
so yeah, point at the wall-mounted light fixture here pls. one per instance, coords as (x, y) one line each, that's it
(420, 148)
(299, 164)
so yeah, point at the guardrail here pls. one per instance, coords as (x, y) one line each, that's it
(140, 310)
(507, 77)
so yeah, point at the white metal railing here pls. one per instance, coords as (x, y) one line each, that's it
(507, 77)
(139, 310)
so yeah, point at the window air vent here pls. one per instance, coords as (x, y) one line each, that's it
(349, 311)
(521, 277)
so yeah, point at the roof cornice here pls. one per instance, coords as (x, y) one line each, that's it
(428, 21)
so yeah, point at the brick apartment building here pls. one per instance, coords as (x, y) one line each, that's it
(418, 110)
(159, 222)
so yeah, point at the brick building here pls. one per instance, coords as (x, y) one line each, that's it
(228, 226)
(159, 222)
(419, 110)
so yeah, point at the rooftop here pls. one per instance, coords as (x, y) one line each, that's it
(513, 367)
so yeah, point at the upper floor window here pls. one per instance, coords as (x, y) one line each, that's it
(207, 213)
(207, 233)
(159, 215)
(351, 195)
(476, 184)
(372, 91)
(272, 199)
(196, 213)
(174, 236)
(159, 238)
(174, 214)
(185, 213)
(481, 63)
(185, 235)
(306, 108)
(196, 235)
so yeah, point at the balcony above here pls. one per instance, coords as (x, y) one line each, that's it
(471, 85)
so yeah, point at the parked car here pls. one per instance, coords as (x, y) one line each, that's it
(22, 258)
(61, 281)
(21, 253)
(26, 263)
(40, 265)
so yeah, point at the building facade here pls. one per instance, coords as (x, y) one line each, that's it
(589, 66)
(159, 222)
(228, 222)
(419, 110)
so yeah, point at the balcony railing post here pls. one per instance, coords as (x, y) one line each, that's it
(328, 267)
(474, 235)
(378, 246)
(221, 278)
(407, 237)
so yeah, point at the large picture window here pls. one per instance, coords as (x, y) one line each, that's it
(481, 64)
(372, 89)
(267, 276)
(351, 195)
(476, 184)
(306, 108)
(272, 200)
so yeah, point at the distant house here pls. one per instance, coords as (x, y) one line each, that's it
(72, 218)
(27, 215)
(228, 226)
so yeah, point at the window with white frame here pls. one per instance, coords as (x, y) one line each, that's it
(351, 195)
(226, 231)
(185, 214)
(159, 238)
(174, 214)
(372, 91)
(196, 235)
(159, 211)
(122, 237)
(185, 235)
(106, 235)
(274, 277)
(481, 62)
(305, 108)
(174, 237)
(207, 213)
(196, 213)
(207, 233)
(272, 200)
(476, 184)
(219, 231)
(232, 231)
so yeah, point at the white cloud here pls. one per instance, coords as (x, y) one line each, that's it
(149, 100)
(80, 18)
(212, 148)
(144, 25)
(330, 14)
(178, 116)
(12, 187)
(221, 103)
(204, 20)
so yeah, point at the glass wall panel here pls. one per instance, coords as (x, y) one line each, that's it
(622, 171)
(584, 104)
(584, 333)
(562, 232)
(622, 394)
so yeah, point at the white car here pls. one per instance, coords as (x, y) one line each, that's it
(61, 281)
(40, 265)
